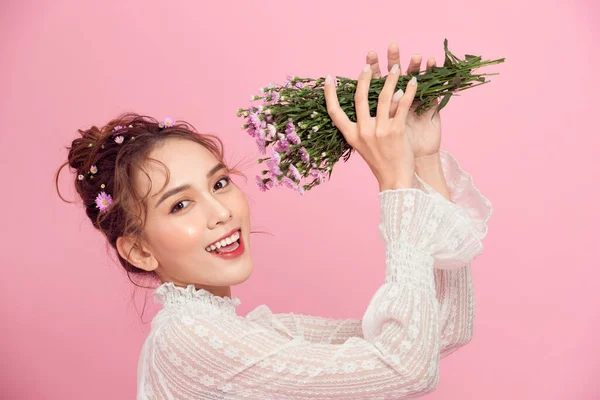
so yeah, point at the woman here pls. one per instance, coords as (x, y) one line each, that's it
(162, 195)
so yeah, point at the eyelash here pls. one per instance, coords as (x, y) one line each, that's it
(174, 210)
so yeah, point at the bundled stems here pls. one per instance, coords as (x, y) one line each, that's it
(303, 141)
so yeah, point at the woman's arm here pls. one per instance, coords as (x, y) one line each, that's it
(454, 287)
(397, 357)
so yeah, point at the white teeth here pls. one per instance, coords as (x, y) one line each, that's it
(224, 242)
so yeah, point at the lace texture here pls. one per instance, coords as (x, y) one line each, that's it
(199, 348)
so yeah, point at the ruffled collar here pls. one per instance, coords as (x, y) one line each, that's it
(171, 296)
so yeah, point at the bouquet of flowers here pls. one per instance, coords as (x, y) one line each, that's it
(303, 143)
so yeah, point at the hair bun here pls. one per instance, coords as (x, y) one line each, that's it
(82, 148)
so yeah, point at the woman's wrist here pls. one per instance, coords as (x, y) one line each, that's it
(429, 169)
(401, 183)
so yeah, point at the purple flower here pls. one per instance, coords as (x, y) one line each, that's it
(261, 141)
(290, 127)
(272, 98)
(272, 131)
(118, 128)
(282, 145)
(292, 185)
(293, 138)
(166, 123)
(251, 130)
(275, 156)
(315, 173)
(261, 186)
(274, 169)
(103, 201)
(304, 156)
(286, 181)
(253, 119)
(294, 172)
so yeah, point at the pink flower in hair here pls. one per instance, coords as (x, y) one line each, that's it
(103, 201)
(166, 123)
(118, 128)
(119, 139)
(93, 169)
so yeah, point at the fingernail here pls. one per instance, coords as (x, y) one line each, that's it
(394, 69)
(328, 80)
(367, 68)
(396, 97)
(413, 81)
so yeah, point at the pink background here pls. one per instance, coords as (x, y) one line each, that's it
(529, 138)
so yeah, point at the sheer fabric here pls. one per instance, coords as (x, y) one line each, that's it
(200, 348)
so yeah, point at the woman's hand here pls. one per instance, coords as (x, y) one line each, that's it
(424, 132)
(382, 141)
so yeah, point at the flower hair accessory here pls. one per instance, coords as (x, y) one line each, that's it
(103, 201)
(166, 123)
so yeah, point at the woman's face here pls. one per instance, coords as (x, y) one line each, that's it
(198, 207)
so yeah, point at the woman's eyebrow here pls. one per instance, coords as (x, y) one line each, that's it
(172, 192)
(181, 188)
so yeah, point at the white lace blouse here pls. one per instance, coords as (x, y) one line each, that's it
(199, 348)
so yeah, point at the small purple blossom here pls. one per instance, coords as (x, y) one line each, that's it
(275, 156)
(118, 128)
(290, 127)
(294, 172)
(263, 186)
(282, 145)
(286, 181)
(304, 156)
(261, 141)
(272, 131)
(254, 119)
(292, 185)
(315, 173)
(119, 139)
(293, 138)
(103, 201)
(167, 122)
(274, 169)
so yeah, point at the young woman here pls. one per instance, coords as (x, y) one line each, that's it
(162, 195)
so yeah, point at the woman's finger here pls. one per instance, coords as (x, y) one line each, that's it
(361, 98)
(374, 62)
(430, 63)
(385, 98)
(415, 64)
(337, 115)
(394, 106)
(393, 55)
(404, 104)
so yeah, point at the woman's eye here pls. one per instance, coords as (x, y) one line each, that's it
(226, 178)
(177, 207)
(181, 205)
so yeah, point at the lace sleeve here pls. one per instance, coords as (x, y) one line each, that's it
(397, 357)
(312, 328)
(472, 207)
(453, 279)
(454, 291)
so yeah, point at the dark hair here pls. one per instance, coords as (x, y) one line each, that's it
(116, 166)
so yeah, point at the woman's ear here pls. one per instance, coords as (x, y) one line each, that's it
(133, 252)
